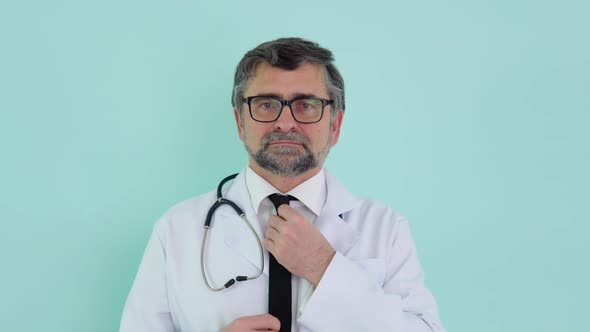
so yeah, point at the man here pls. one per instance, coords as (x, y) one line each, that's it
(331, 261)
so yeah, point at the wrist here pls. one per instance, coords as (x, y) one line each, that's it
(325, 262)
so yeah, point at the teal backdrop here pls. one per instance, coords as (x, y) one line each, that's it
(469, 117)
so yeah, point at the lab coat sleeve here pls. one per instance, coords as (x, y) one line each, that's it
(147, 309)
(349, 298)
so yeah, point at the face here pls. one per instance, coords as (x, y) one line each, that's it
(286, 147)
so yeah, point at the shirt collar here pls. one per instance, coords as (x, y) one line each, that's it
(312, 192)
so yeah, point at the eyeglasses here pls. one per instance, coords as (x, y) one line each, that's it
(269, 109)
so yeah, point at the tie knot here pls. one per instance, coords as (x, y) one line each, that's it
(278, 199)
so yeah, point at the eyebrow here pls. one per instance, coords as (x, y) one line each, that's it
(295, 96)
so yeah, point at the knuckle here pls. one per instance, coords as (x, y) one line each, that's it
(289, 234)
(300, 222)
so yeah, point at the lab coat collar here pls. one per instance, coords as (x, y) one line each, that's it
(341, 235)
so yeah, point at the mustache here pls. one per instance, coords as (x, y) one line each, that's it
(283, 136)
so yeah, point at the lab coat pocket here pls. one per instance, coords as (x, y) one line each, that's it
(375, 267)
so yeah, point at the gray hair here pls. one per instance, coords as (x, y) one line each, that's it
(289, 54)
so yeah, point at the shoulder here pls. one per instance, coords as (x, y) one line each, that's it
(361, 210)
(369, 205)
(379, 228)
(185, 215)
(371, 214)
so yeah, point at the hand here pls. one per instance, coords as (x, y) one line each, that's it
(298, 245)
(265, 322)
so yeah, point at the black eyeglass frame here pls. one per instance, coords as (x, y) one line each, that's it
(284, 102)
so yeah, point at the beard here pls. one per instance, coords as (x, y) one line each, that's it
(286, 160)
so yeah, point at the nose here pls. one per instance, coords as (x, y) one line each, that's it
(286, 122)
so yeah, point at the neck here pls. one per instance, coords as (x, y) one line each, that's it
(282, 183)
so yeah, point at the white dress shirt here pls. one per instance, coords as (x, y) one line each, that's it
(311, 195)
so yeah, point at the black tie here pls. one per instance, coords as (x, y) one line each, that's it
(279, 284)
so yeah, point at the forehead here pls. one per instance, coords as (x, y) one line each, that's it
(308, 78)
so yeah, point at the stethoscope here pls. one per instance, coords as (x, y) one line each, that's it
(219, 202)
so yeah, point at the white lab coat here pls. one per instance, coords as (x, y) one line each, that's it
(373, 283)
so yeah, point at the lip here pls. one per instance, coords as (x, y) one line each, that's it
(285, 143)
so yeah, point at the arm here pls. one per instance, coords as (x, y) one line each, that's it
(146, 309)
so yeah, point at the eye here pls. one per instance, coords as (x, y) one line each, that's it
(308, 105)
(264, 104)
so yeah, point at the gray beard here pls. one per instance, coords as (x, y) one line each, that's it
(286, 161)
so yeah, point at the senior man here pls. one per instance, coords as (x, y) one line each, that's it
(286, 246)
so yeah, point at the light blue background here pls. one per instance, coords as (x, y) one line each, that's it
(469, 117)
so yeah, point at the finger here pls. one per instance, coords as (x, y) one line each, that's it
(288, 213)
(277, 223)
(269, 245)
(272, 233)
(268, 322)
(262, 322)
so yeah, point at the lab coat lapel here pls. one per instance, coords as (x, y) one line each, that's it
(237, 234)
(341, 235)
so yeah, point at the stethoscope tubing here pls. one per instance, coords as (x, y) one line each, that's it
(219, 202)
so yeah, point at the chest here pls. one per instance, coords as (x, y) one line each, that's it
(194, 307)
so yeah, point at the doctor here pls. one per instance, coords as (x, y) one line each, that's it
(327, 261)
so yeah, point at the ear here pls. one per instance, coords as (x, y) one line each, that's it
(337, 122)
(239, 124)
